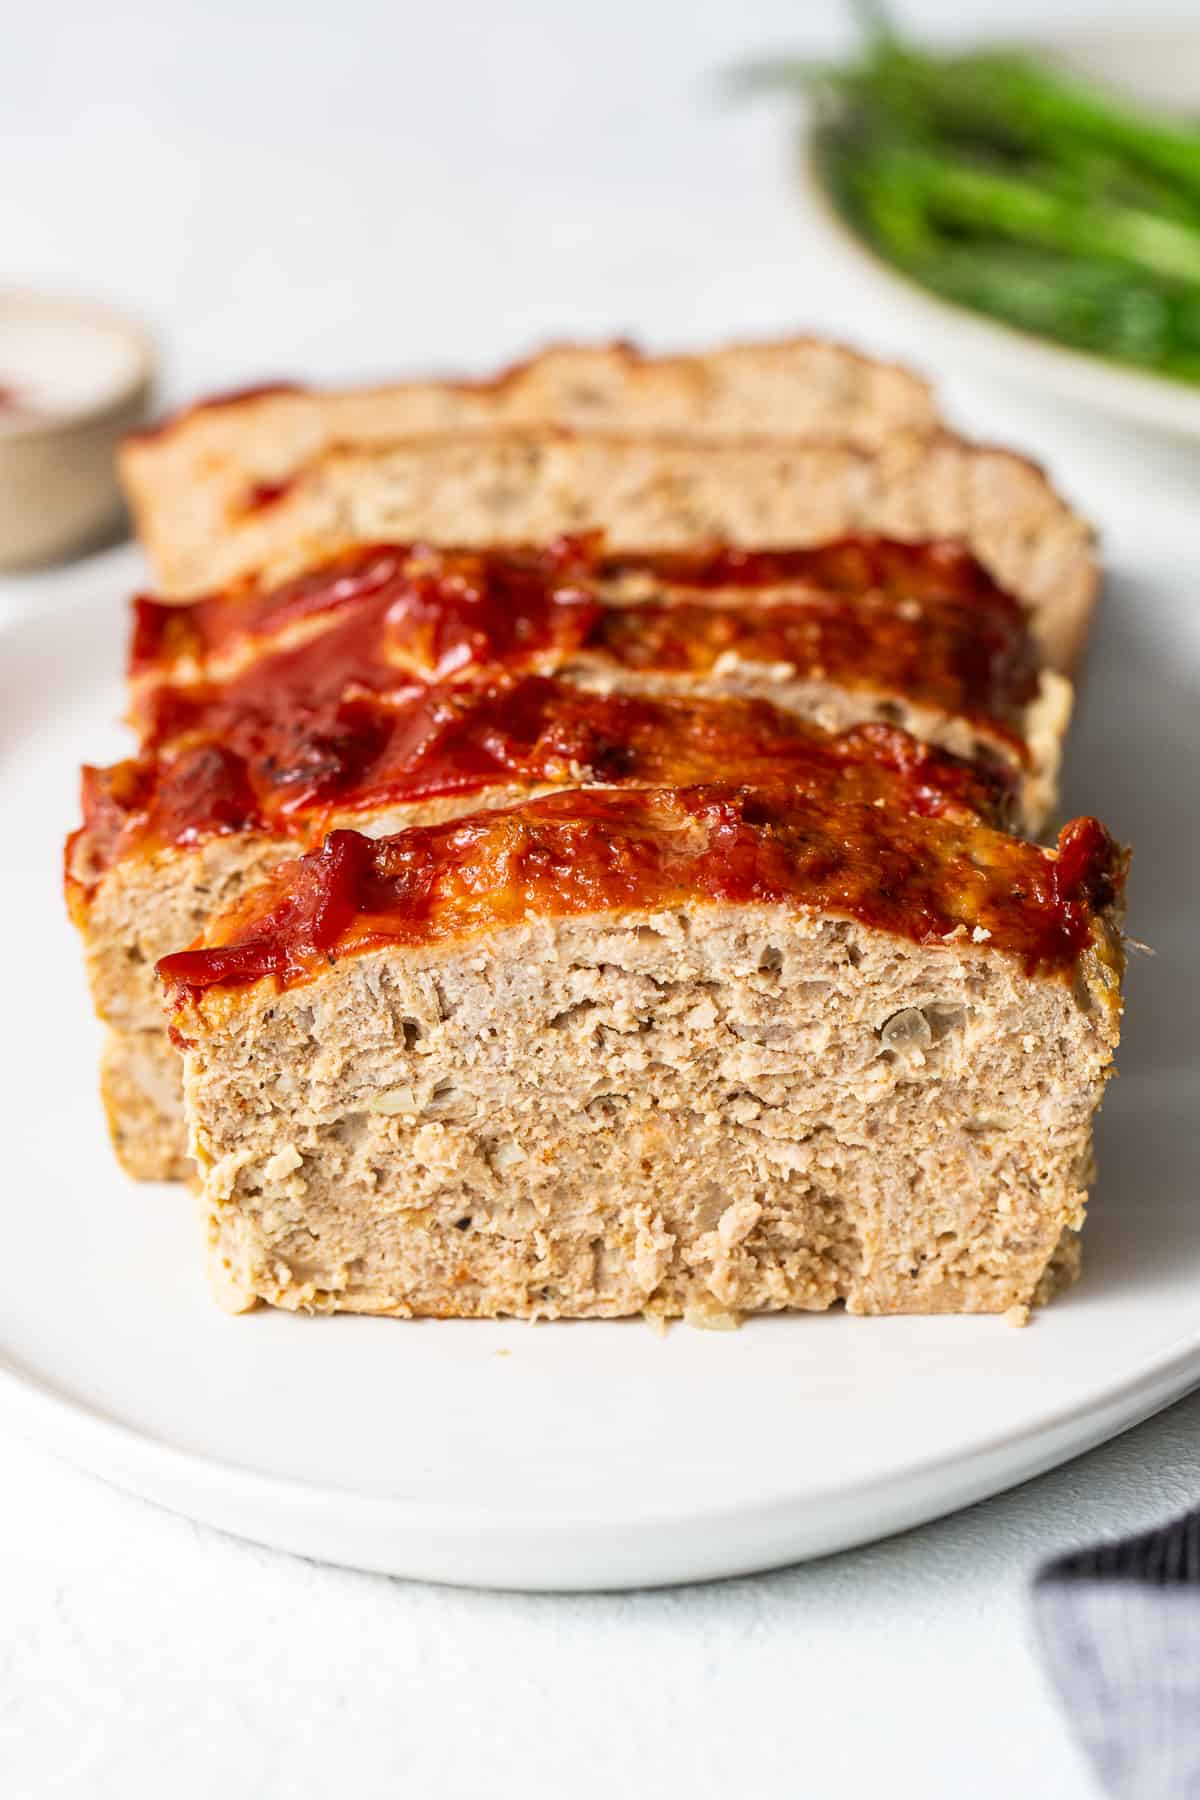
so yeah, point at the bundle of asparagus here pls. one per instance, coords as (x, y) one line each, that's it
(1010, 186)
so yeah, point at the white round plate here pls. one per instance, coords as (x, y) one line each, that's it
(1160, 67)
(587, 1455)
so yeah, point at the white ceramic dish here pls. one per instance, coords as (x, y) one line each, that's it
(75, 377)
(574, 1455)
(1161, 67)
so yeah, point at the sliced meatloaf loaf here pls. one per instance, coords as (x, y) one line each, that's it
(702, 1051)
(188, 477)
(181, 831)
(268, 714)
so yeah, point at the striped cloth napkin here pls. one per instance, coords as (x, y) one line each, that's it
(1119, 1627)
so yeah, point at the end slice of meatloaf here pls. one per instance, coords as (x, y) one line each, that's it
(863, 629)
(699, 1051)
(182, 831)
(672, 494)
(186, 478)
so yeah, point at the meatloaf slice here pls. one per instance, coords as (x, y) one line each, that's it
(863, 629)
(181, 831)
(184, 479)
(672, 494)
(704, 1051)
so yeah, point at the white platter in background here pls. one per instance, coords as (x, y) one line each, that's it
(587, 1455)
(1158, 66)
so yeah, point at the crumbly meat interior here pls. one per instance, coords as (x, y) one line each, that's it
(710, 1110)
(144, 908)
(142, 1094)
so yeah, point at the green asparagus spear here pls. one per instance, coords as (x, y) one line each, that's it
(1010, 186)
(1027, 208)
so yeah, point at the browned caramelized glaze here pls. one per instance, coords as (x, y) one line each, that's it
(435, 604)
(941, 658)
(478, 590)
(930, 570)
(923, 624)
(228, 766)
(606, 851)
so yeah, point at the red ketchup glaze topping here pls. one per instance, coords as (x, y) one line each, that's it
(603, 850)
(329, 709)
(253, 770)
(946, 656)
(428, 604)
(927, 569)
(921, 623)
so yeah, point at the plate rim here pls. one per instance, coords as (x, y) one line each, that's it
(422, 1540)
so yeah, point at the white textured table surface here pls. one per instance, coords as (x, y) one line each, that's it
(319, 190)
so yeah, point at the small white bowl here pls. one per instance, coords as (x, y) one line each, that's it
(74, 378)
(1161, 67)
